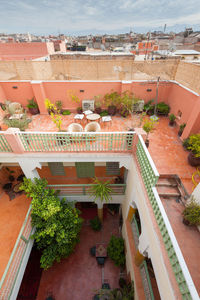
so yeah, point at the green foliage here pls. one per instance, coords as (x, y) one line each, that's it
(104, 113)
(57, 223)
(172, 117)
(95, 224)
(186, 143)
(182, 126)
(194, 144)
(115, 250)
(59, 105)
(111, 99)
(22, 123)
(149, 106)
(124, 293)
(101, 190)
(127, 99)
(191, 213)
(162, 108)
(148, 126)
(32, 103)
(66, 112)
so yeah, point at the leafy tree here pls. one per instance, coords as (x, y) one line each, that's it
(57, 223)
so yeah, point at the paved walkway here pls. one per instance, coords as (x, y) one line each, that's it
(79, 276)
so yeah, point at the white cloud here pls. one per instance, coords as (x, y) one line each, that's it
(86, 16)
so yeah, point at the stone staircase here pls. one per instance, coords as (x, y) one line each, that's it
(169, 186)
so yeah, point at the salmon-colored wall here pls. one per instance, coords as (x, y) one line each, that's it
(23, 92)
(71, 176)
(140, 90)
(182, 100)
(61, 91)
(21, 51)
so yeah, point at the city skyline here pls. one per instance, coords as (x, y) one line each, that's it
(77, 18)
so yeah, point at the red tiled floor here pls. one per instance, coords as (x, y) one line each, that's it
(79, 276)
(188, 238)
(12, 217)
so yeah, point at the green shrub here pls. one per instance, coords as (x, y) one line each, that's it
(149, 106)
(96, 224)
(66, 112)
(32, 103)
(57, 222)
(172, 117)
(115, 251)
(191, 213)
(185, 143)
(22, 123)
(162, 108)
(194, 144)
(104, 113)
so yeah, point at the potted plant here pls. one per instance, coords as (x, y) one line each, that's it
(194, 147)
(59, 106)
(162, 109)
(79, 110)
(111, 101)
(191, 213)
(101, 190)
(148, 127)
(33, 106)
(126, 104)
(181, 128)
(96, 224)
(172, 119)
(149, 107)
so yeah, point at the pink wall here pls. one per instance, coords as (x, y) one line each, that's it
(61, 91)
(140, 90)
(179, 98)
(23, 92)
(21, 51)
(182, 100)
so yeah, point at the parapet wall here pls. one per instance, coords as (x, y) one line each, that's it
(87, 70)
(185, 73)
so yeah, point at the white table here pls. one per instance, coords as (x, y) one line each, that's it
(93, 117)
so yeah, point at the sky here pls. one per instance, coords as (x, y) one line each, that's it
(79, 17)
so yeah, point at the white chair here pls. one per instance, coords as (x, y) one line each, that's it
(88, 112)
(74, 127)
(106, 119)
(92, 127)
(79, 117)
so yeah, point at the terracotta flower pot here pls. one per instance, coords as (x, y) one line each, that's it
(34, 111)
(193, 160)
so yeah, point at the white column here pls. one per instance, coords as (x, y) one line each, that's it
(29, 166)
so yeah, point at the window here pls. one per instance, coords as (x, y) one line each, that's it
(56, 168)
(85, 169)
(112, 168)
